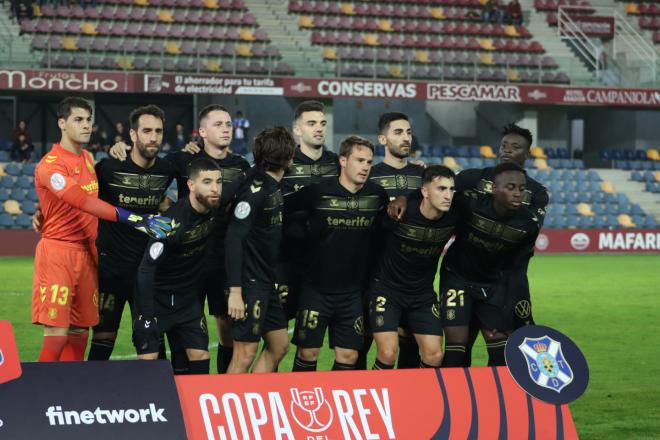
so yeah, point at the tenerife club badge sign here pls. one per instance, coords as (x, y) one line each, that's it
(547, 364)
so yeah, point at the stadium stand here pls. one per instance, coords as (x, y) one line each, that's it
(199, 36)
(418, 39)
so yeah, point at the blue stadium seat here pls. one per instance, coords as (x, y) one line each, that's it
(571, 210)
(101, 155)
(542, 175)
(6, 221)
(462, 152)
(584, 197)
(4, 156)
(572, 221)
(600, 222)
(636, 176)
(32, 195)
(581, 176)
(436, 151)
(559, 209)
(4, 194)
(28, 169)
(554, 163)
(656, 165)
(558, 196)
(463, 162)
(648, 176)
(24, 182)
(28, 207)
(586, 222)
(640, 155)
(563, 153)
(566, 164)
(449, 150)
(549, 222)
(571, 185)
(593, 186)
(24, 221)
(622, 199)
(6, 182)
(14, 169)
(550, 152)
(605, 154)
(638, 220)
(593, 176)
(599, 208)
(578, 164)
(475, 162)
(650, 222)
(17, 194)
(647, 166)
(474, 151)
(379, 150)
(635, 165)
(637, 210)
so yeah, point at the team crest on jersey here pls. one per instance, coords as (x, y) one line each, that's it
(546, 363)
(380, 321)
(52, 313)
(401, 181)
(451, 314)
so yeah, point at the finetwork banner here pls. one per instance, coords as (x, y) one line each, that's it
(206, 84)
(476, 403)
(598, 240)
(92, 400)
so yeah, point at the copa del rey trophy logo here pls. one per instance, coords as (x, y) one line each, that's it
(310, 409)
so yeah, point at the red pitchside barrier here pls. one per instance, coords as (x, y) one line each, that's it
(475, 403)
(598, 240)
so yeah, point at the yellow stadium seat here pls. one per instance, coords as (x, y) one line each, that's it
(486, 58)
(12, 207)
(396, 71)
(422, 56)
(512, 75)
(541, 164)
(305, 21)
(88, 29)
(487, 151)
(486, 44)
(211, 4)
(142, 2)
(125, 63)
(347, 8)
(2, 170)
(438, 13)
(625, 221)
(653, 154)
(631, 8)
(68, 43)
(538, 153)
(246, 35)
(585, 209)
(329, 53)
(385, 25)
(165, 17)
(451, 163)
(511, 31)
(36, 10)
(657, 176)
(172, 48)
(607, 187)
(371, 40)
(213, 66)
(243, 50)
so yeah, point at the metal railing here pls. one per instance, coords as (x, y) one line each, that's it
(569, 30)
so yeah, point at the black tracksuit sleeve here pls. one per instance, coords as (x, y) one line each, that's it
(302, 200)
(146, 277)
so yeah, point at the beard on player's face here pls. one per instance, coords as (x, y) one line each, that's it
(147, 150)
(208, 199)
(396, 150)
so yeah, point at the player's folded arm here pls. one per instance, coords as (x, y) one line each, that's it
(467, 179)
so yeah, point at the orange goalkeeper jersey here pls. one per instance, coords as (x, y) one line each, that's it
(56, 173)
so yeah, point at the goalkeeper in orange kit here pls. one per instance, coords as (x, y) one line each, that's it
(64, 288)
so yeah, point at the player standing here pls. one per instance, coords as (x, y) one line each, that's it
(497, 230)
(170, 276)
(65, 287)
(402, 290)
(342, 215)
(139, 184)
(253, 241)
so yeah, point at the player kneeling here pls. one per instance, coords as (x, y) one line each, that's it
(169, 281)
(402, 290)
(252, 249)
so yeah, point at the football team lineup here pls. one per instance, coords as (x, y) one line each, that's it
(305, 242)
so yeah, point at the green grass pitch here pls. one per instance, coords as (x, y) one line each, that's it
(608, 304)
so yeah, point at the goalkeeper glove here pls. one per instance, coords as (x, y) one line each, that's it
(155, 226)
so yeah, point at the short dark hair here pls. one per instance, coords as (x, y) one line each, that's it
(348, 145)
(203, 113)
(434, 171)
(308, 106)
(273, 149)
(65, 106)
(152, 110)
(512, 128)
(387, 118)
(507, 166)
(201, 164)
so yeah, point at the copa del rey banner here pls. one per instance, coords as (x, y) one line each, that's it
(475, 403)
(598, 240)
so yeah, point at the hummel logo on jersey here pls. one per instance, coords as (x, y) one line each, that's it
(56, 416)
(147, 324)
